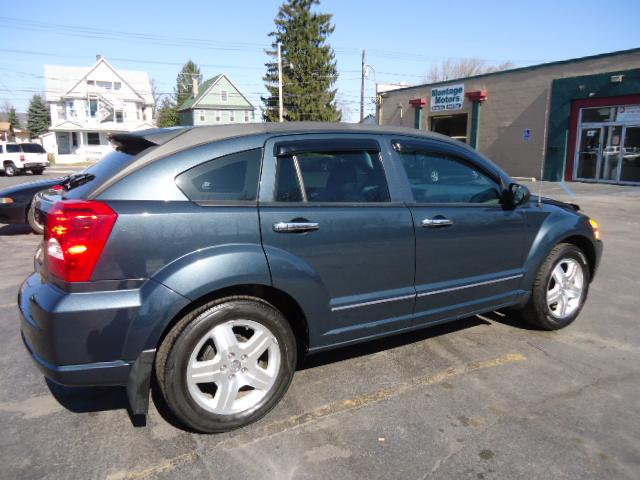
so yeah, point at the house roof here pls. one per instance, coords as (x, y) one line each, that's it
(512, 70)
(192, 102)
(189, 102)
(60, 80)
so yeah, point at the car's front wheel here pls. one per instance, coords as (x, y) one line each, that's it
(226, 364)
(560, 288)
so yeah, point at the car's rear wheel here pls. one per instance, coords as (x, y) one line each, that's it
(10, 169)
(560, 288)
(37, 171)
(32, 219)
(226, 364)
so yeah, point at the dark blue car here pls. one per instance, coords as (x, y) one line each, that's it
(218, 255)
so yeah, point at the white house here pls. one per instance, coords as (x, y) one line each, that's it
(88, 103)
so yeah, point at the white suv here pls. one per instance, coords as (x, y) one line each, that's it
(16, 158)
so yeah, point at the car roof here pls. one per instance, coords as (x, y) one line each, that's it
(171, 140)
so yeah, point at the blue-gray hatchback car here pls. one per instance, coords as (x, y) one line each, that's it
(213, 257)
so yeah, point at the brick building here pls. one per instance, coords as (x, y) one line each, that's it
(576, 119)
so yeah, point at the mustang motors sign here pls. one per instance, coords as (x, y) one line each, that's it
(447, 98)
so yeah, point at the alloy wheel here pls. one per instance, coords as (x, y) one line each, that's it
(233, 367)
(564, 291)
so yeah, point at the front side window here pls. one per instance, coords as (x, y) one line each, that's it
(353, 176)
(441, 178)
(230, 178)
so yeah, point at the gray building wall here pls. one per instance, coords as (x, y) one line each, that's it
(517, 100)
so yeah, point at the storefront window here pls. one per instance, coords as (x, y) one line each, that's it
(598, 115)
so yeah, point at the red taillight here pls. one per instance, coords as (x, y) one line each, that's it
(76, 234)
(57, 188)
(22, 157)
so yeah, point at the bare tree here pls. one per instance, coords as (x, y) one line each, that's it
(450, 69)
(155, 94)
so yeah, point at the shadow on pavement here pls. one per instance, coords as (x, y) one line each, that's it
(510, 318)
(387, 343)
(15, 229)
(92, 399)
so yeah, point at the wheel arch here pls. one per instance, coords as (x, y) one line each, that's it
(282, 301)
(587, 247)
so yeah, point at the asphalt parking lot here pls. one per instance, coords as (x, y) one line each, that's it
(482, 398)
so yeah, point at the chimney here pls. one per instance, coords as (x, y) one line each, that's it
(196, 86)
(98, 57)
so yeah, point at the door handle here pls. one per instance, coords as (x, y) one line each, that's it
(436, 222)
(295, 227)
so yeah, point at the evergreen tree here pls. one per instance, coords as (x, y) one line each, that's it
(12, 118)
(167, 115)
(38, 117)
(184, 82)
(308, 65)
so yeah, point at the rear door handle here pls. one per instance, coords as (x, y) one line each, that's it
(437, 222)
(295, 227)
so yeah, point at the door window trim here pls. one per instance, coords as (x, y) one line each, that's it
(417, 146)
(289, 149)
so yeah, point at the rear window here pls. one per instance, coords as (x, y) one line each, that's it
(102, 171)
(32, 148)
(13, 148)
(230, 178)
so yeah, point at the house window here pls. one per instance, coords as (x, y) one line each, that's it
(201, 115)
(93, 138)
(119, 116)
(117, 85)
(91, 82)
(218, 116)
(105, 85)
(224, 96)
(138, 113)
(93, 107)
(232, 116)
(71, 110)
(247, 116)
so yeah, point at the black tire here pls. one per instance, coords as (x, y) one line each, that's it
(10, 169)
(536, 311)
(37, 171)
(173, 356)
(31, 220)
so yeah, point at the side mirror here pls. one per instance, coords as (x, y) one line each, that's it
(517, 195)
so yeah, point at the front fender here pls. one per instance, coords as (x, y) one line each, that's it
(552, 226)
(204, 271)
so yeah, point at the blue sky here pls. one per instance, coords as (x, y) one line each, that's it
(403, 38)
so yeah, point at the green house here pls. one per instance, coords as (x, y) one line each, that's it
(216, 102)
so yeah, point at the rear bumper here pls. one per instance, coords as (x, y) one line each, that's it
(87, 374)
(93, 338)
(29, 165)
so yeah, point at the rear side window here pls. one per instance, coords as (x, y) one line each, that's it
(32, 148)
(230, 178)
(345, 177)
(13, 148)
(439, 178)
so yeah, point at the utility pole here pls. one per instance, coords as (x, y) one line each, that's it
(364, 72)
(280, 107)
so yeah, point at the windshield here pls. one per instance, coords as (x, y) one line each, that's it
(88, 180)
